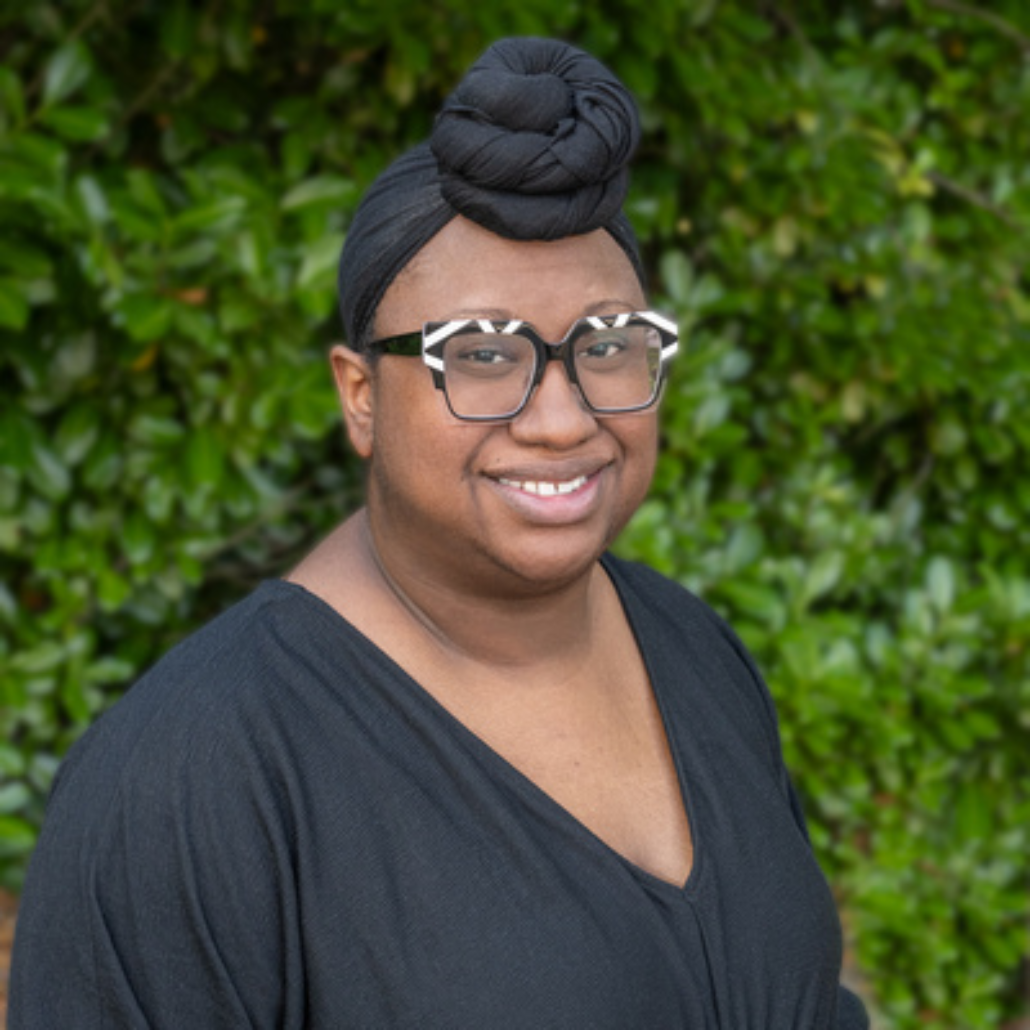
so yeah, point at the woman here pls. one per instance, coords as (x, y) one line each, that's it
(461, 768)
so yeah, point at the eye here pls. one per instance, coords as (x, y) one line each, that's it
(604, 349)
(600, 348)
(484, 356)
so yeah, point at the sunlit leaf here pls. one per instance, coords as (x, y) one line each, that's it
(320, 260)
(66, 71)
(326, 189)
(213, 217)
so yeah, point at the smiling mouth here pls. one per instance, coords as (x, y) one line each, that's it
(544, 488)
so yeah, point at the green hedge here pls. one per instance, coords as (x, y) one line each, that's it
(834, 198)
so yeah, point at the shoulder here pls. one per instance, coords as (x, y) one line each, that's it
(204, 712)
(216, 664)
(169, 832)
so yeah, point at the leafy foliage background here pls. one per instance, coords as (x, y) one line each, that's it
(834, 199)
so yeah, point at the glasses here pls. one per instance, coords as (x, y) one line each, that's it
(489, 370)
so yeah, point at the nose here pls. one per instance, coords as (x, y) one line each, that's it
(556, 415)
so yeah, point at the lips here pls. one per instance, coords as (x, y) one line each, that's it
(562, 493)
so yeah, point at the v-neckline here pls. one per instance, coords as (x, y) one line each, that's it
(522, 782)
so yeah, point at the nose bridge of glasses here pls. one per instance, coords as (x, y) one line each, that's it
(562, 352)
(557, 396)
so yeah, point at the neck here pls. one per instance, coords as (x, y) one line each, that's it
(511, 630)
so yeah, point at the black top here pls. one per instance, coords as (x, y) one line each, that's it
(278, 827)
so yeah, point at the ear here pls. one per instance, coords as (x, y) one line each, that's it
(354, 379)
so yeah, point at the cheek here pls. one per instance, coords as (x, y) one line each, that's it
(417, 442)
(403, 408)
(637, 440)
(640, 442)
(402, 441)
(641, 449)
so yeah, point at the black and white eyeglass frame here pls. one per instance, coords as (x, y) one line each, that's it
(430, 340)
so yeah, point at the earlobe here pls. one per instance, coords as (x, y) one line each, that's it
(353, 374)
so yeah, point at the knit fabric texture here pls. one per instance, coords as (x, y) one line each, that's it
(534, 144)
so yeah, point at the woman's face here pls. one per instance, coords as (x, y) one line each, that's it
(515, 507)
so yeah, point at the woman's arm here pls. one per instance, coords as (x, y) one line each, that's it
(160, 895)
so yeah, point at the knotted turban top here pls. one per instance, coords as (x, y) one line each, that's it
(534, 144)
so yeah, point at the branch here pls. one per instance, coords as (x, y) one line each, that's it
(1006, 28)
(792, 26)
(291, 501)
(956, 189)
(148, 93)
(134, 108)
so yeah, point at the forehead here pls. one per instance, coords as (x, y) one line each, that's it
(466, 270)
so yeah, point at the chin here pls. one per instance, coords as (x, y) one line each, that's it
(551, 562)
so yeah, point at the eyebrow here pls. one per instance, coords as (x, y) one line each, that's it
(604, 307)
(608, 306)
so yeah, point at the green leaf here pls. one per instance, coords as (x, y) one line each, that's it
(113, 590)
(745, 546)
(65, 72)
(109, 670)
(18, 435)
(940, 582)
(44, 657)
(323, 189)
(822, 576)
(103, 464)
(755, 599)
(159, 497)
(178, 28)
(94, 202)
(17, 836)
(77, 432)
(973, 819)
(145, 191)
(14, 305)
(677, 276)
(24, 259)
(156, 430)
(216, 216)
(12, 761)
(711, 413)
(49, 474)
(196, 324)
(320, 260)
(76, 357)
(74, 699)
(76, 124)
(13, 796)
(205, 458)
(10, 540)
(195, 254)
(138, 538)
(145, 316)
(12, 96)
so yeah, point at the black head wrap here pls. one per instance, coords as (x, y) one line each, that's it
(534, 144)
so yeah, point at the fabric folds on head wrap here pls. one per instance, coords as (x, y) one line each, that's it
(534, 144)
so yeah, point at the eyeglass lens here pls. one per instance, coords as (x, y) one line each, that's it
(489, 375)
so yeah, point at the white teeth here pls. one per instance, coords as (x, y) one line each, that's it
(546, 489)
